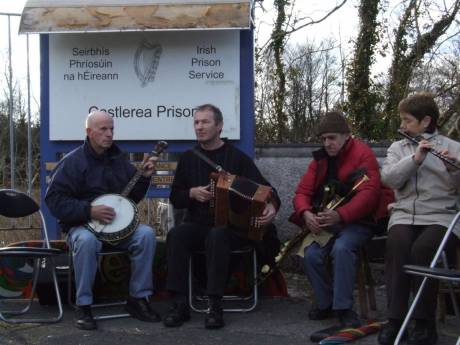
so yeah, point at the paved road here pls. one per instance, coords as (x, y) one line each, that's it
(275, 321)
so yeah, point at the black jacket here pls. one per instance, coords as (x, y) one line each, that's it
(192, 171)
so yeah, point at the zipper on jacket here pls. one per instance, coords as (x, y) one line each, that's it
(415, 199)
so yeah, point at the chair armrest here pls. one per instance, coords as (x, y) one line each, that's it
(29, 251)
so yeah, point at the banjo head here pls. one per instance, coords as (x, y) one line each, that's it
(125, 212)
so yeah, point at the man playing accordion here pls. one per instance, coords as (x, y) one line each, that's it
(191, 191)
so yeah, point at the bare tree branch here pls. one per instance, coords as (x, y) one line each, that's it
(287, 32)
(312, 22)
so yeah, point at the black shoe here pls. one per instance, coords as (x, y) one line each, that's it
(214, 317)
(389, 332)
(424, 333)
(349, 319)
(177, 315)
(320, 314)
(141, 309)
(85, 318)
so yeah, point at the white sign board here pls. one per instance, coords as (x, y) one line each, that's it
(150, 82)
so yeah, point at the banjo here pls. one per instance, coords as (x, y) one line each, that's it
(126, 217)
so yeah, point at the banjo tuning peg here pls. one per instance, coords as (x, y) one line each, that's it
(159, 148)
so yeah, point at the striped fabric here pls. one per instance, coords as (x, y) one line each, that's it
(350, 334)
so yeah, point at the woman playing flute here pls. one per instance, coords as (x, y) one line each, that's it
(426, 190)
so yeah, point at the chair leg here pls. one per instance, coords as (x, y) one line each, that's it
(441, 310)
(93, 306)
(363, 306)
(453, 297)
(58, 294)
(411, 311)
(255, 287)
(24, 310)
(366, 285)
(253, 297)
(370, 284)
(69, 281)
(34, 284)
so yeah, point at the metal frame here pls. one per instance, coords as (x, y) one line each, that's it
(41, 256)
(453, 276)
(11, 109)
(253, 298)
(97, 305)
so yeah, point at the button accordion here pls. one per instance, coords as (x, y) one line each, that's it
(238, 202)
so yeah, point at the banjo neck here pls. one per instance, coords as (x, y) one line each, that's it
(159, 147)
(132, 183)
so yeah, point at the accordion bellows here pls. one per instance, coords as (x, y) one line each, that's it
(238, 202)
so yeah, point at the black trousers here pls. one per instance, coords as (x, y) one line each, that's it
(416, 245)
(217, 242)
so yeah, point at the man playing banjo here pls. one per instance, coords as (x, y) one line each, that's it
(96, 168)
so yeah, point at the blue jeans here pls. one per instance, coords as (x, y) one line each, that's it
(336, 291)
(85, 246)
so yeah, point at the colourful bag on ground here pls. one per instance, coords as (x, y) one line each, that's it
(350, 334)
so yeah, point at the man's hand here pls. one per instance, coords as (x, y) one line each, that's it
(201, 193)
(328, 218)
(311, 222)
(102, 213)
(268, 214)
(148, 165)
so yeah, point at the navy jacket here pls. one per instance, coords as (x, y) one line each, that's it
(83, 175)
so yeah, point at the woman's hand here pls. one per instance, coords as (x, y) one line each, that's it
(450, 157)
(421, 151)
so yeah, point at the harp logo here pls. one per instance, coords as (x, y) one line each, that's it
(146, 60)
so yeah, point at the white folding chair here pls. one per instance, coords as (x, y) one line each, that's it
(446, 274)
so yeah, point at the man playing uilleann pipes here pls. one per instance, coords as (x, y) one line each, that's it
(341, 231)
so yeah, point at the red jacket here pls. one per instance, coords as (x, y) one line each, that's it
(369, 199)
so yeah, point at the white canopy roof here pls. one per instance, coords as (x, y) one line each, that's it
(61, 16)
